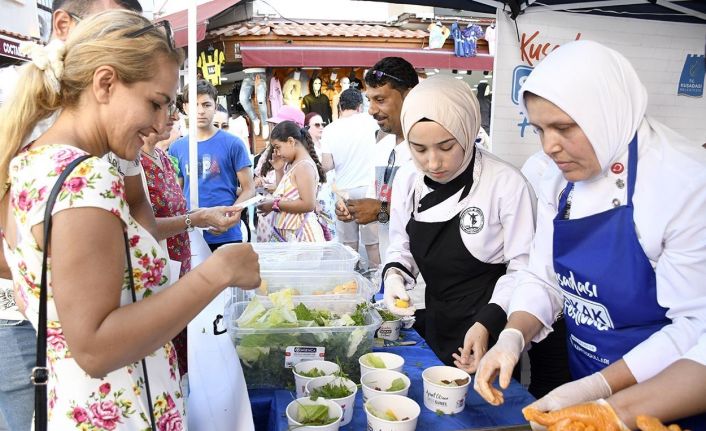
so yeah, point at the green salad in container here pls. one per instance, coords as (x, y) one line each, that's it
(262, 335)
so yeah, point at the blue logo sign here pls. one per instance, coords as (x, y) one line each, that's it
(519, 75)
(691, 82)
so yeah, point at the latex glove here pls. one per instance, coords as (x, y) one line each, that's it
(394, 290)
(500, 360)
(589, 388)
(475, 344)
(593, 416)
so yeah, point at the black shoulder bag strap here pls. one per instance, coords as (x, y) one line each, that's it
(40, 373)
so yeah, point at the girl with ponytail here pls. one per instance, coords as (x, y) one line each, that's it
(294, 200)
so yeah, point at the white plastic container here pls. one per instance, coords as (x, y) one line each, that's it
(377, 382)
(300, 380)
(347, 403)
(328, 285)
(262, 351)
(334, 411)
(392, 362)
(446, 399)
(311, 257)
(403, 408)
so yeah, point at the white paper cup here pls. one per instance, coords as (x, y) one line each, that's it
(402, 407)
(390, 330)
(347, 403)
(392, 362)
(300, 381)
(375, 382)
(334, 410)
(447, 399)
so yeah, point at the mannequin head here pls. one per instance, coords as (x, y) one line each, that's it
(345, 84)
(316, 86)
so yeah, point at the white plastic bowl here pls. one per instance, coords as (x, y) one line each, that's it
(334, 410)
(392, 362)
(438, 397)
(403, 407)
(347, 403)
(375, 382)
(300, 381)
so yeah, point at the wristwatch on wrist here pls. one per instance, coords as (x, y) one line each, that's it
(384, 214)
(275, 205)
(189, 225)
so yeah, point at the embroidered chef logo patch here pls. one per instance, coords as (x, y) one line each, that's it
(472, 220)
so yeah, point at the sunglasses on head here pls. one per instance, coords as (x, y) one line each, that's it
(379, 74)
(167, 31)
(221, 125)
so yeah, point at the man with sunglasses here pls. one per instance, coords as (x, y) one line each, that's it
(387, 84)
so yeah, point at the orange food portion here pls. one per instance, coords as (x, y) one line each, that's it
(346, 288)
(648, 423)
(581, 417)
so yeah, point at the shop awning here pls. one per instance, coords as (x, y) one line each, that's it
(204, 12)
(10, 45)
(309, 56)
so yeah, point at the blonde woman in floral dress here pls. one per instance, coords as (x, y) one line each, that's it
(111, 85)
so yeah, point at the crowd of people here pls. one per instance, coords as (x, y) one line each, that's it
(594, 262)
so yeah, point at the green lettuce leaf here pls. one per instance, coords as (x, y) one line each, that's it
(396, 385)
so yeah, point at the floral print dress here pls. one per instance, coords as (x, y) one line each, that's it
(168, 201)
(75, 400)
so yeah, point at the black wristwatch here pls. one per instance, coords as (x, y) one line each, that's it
(384, 214)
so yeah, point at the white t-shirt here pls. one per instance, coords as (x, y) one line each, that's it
(381, 190)
(351, 141)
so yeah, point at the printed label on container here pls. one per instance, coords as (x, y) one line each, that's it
(296, 354)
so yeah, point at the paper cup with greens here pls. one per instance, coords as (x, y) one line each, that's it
(306, 371)
(392, 413)
(305, 414)
(391, 325)
(380, 360)
(445, 389)
(380, 382)
(340, 390)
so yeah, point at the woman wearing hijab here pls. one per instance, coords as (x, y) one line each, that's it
(621, 247)
(462, 218)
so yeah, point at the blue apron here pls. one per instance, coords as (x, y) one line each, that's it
(609, 285)
(610, 292)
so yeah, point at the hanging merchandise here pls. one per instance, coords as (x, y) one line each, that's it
(210, 62)
(458, 40)
(276, 100)
(438, 34)
(292, 91)
(471, 34)
(316, 101)
(255, 82)
(490, 36)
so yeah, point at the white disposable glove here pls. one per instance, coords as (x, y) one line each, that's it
(500, 360)
(589, 388)
(394, 289)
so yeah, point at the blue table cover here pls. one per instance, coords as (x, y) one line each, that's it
(268, 405)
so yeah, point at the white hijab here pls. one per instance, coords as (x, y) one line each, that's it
(450, 103)
(598, 88)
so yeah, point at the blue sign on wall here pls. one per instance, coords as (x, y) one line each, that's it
(519, 75)
(691, 82)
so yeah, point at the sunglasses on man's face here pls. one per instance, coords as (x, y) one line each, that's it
(379, 74)
(167, 32)
(221, 125)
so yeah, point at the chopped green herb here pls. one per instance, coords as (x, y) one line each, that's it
(439, 412)
(314, 372)
(386, 315)
(331, 391)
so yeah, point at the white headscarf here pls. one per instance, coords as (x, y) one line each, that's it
(450, 103)
(598, 88)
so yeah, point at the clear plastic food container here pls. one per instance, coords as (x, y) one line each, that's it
(326, 285)
(262, 352)
(328, 256)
